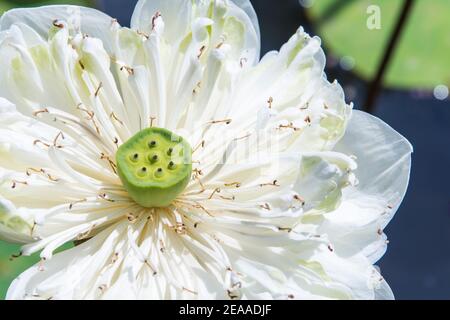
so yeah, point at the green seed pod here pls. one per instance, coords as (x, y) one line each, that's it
(155, 166)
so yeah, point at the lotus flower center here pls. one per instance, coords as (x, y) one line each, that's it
(155, 166)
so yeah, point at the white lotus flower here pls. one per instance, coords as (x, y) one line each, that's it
(290, 189)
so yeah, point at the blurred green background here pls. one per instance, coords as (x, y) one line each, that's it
(422, 57)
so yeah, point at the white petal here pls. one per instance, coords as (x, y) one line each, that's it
(383, 157)
(306, 112)
(176, 14)
(180, 15)
(384, 162)
(86, 20)
(125, 261)
(67, 73)
(384, 292)
(14, 226)
(248, 8)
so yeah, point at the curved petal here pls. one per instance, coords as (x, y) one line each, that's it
(184, 55)
(248, 8)
(384, 292)
(384, 163)
(70, 73)
(86, 20)
(282, 104)
(235, 22)
(177, 15)
(156, 259)
(141, 260)
(14, 226)
(383, 155)
(52, 190)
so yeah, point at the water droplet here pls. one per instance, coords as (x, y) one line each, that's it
(441, 92)
(347, 63)
(306, 3)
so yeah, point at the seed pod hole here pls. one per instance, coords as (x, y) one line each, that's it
(172, 165)
(154, 158)
(159, 173)
(134, 157)
(142, 172)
